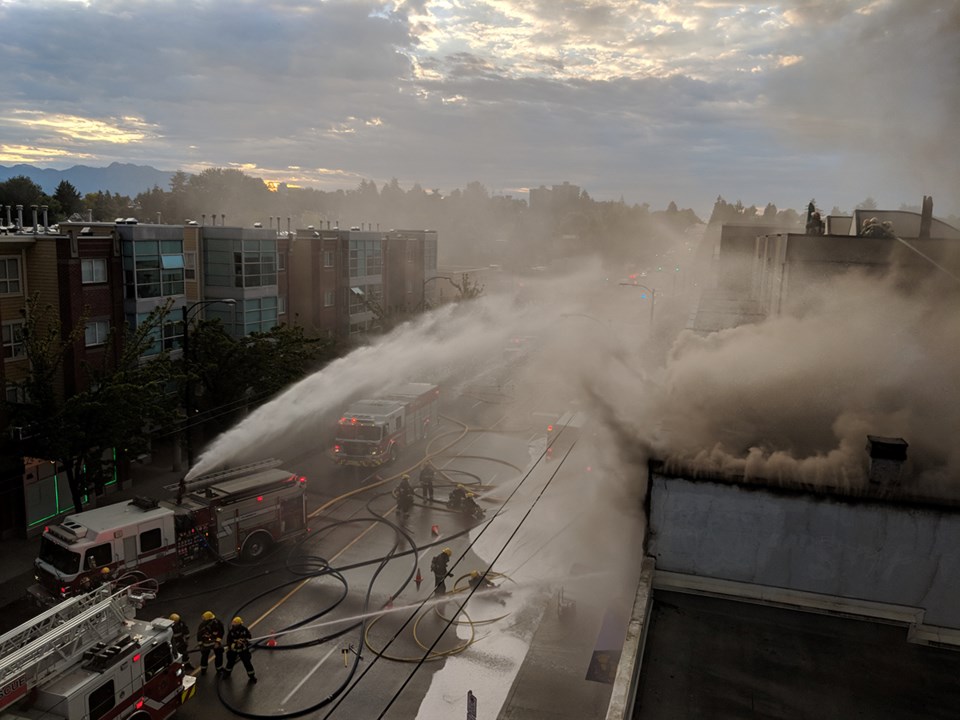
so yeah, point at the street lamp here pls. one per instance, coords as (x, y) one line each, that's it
(423, 289)
(653, 297)
(188, 385)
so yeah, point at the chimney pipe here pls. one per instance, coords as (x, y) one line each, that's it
(33, 208)
(223, 218)
(44, 208)
(19, 217)
(288, 226)
(8, 221)
(203, 219)
(378, 227)
(887, 456)
(926, 218)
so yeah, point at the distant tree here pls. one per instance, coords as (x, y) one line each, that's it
(671, 208)
(21, 190)
(837, 211)
(68, 197)
(769, 213)
(868, 204)
(125, 397)
(467, 288)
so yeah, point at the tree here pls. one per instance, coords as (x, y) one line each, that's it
(467, 288)
(21, 190)
(868, 204)
(68, 197)
(125, 398)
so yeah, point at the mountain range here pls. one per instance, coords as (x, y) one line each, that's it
(122, 178)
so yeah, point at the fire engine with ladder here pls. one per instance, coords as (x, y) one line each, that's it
(239, 512)
(89, 658)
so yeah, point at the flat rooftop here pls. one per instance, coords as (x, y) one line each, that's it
(708, 657)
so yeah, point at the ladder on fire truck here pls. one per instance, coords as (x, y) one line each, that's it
(52, 641)
(198, 483)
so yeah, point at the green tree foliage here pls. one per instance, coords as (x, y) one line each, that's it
(21, 190)
(124, 400)
(68, 199)
(231, 376)
(868, 204)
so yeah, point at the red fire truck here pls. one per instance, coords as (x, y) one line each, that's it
(231, 513)
(88, 658)
(372, 432)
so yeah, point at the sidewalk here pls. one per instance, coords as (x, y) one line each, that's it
(17, 554)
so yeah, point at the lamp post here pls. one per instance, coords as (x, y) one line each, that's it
(423, 289)
(653, 298)
(188, 384)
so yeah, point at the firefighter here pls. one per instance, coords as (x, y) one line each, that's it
(180, 634)
(456, 497)
(404, 495)
(478, 581)
(427, 475)
(439, 568)
(238, 646)
(470, 507)
(210, 637)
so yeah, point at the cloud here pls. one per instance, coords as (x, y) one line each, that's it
(653, 101)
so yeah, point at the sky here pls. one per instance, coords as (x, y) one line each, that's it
(683, 100)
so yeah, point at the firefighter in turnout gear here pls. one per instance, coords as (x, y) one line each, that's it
(427, 476)
(404, 495)
(238, 646)
(439, 568)
(456, 497)
(210, 637)
(181, 633)
(470, 508)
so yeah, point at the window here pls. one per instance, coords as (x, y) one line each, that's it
(236, 263)
(157, 660)
(13, 346)
(281, 305)
(9, 276)
(259, 315)
(328, 298)
(328, 258)
(150, 540)
(411, 251)
(281, 261)
(190, 266)
(93, 270)
(99, 556)
(101, 700)
(96, 333)
(15, 394)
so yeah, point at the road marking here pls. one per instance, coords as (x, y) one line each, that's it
(308, 676)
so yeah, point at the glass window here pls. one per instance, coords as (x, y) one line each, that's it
(93, 270)
(171, 247)
(281, 305)
(13, 346)
(96, 333)
(65, 561)
(101, 700)
(9, 276)
(190, 266)
(150, 540)
(281, 261)
(99, 556)
(328, 298)
(328, 258)
(171, 262)
(157, 660)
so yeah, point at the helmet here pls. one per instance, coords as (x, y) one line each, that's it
(469, 494)
(208, 615)
(238, 620)
(105, 571)
(174, 617)
(474, 573)
(461, 486)
(448, 552)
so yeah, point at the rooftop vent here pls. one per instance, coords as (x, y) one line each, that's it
(887, 456)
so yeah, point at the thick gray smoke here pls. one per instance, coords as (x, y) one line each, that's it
(796, 395)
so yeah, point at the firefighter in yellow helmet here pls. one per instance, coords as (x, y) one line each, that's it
(181, 633)
(210, 638)
(470, 508)
(439, 568)
(238, 646)
(455, 501)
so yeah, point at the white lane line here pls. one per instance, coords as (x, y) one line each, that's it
(307, 676)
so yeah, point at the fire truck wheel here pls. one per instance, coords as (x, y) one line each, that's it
(140, 715)
(256, 546)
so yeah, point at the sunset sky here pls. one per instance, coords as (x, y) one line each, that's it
(654, 101)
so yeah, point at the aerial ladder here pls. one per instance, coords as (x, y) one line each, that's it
(52, 642)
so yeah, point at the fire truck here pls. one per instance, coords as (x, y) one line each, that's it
(89, 658)
(372, 432)
(233, 513)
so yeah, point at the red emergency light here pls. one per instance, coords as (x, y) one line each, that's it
(136, 658)
(303, 480)
(259, 498)
(549, 428)
(140, 704)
